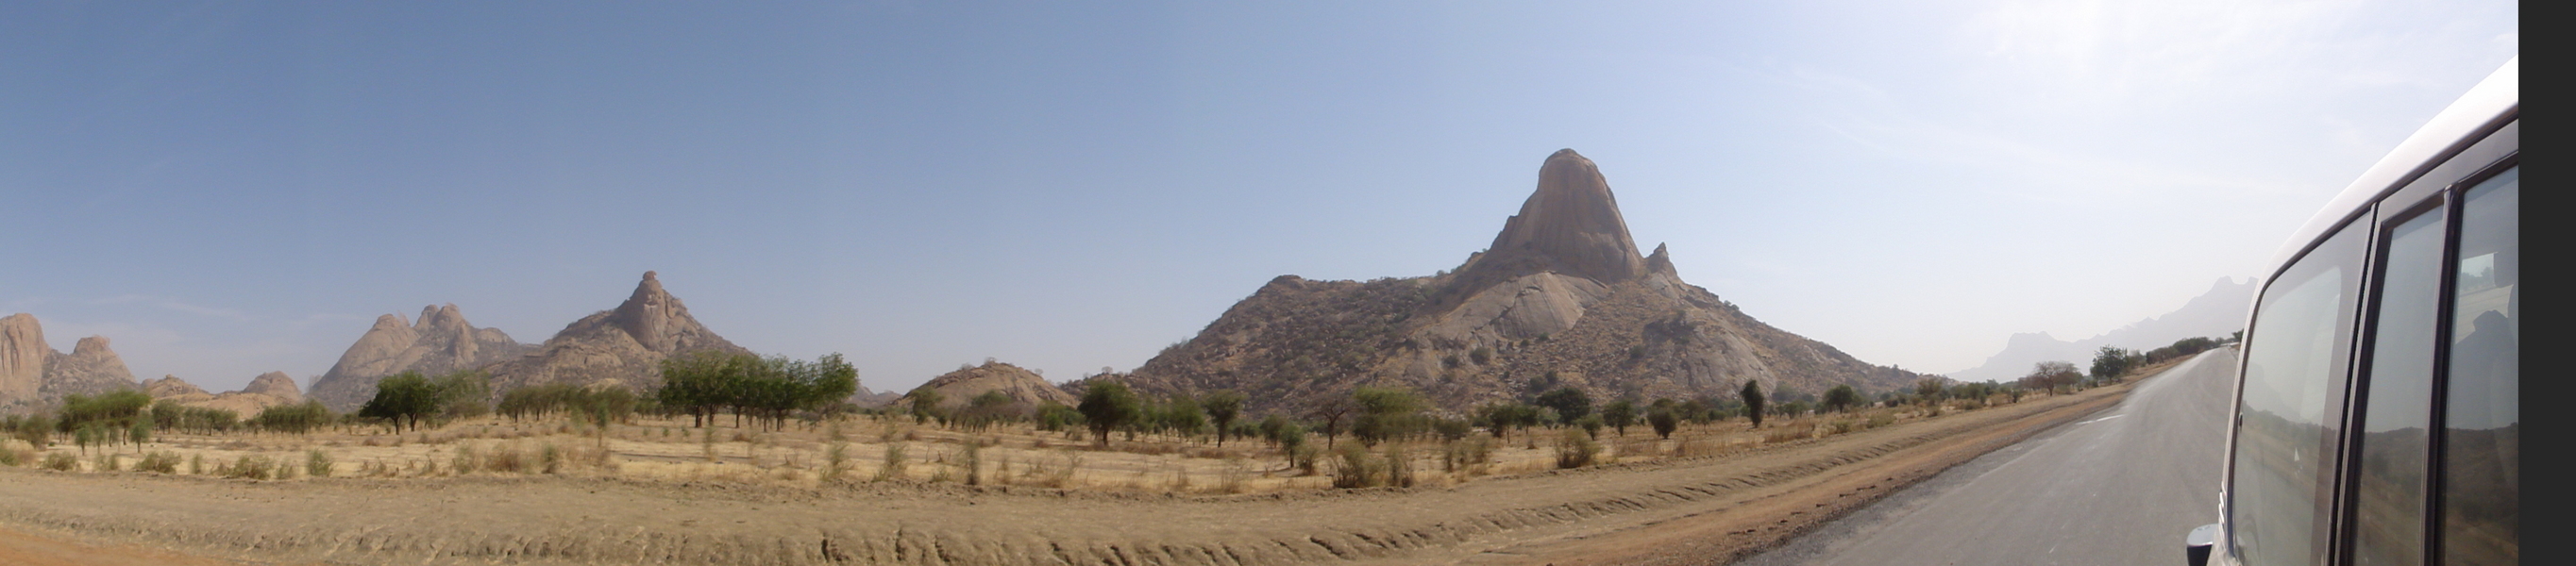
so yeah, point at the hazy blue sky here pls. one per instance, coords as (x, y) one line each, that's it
(231, 188)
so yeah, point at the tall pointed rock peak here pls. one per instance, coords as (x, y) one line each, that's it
(621, 346)
(649, 314)
(23, 354)
(1570, 225)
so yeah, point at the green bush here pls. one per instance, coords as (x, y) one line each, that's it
(248, 467)
(163, 462)
(1576, 450)
(1355, 467)
(316, 463)
(61, 461)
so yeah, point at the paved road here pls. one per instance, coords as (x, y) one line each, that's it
(2119, 487)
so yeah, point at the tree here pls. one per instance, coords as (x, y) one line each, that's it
(925, 405)
(1930, 389)
(1665, 416)
(1753, 402)
(402, 399)
(1571, 404)
(2110, 363)
(1841, 398)
(1619, 414)
(1385, 412)
(1223, 407)
(1332, 409)
(1108, 406)
(2051, 375)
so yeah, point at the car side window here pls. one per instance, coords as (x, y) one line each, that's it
(2397, 396)
(2288, 417)
(2482, 416)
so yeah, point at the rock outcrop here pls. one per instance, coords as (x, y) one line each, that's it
(1563, 298)
(1024, 386)
(268, 390)
(33, 374)
(620, 347)
(171, 387)
(441, 341)
(23, 354)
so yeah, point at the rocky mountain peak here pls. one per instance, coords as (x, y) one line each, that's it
(654, 317)
(1570, 225)
(92, 347)
(23, 353)
(617, 347)
(171, 386)
(440, 341)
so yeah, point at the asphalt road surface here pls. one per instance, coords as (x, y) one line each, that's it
(2118, 487)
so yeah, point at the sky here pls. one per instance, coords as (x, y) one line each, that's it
(230, 188)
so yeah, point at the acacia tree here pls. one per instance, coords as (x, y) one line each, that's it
(2110, 362)
(1109, 406)
(1571, 404)
(765, 390)
(1753, 401)
(1841, 398)
(2051, 375)
(403, 399)
(1223, 407)
(1385, 412)
(1619, 414)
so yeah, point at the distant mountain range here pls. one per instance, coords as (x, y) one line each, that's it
(2217, 313)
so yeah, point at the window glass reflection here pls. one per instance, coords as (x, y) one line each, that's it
(2388, 505)
(2482, 428)
(2295, 352)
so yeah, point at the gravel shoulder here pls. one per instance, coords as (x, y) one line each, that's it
(1696, 510)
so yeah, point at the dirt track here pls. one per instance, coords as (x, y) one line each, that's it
(1700, 510)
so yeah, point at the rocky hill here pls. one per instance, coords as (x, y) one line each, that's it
(33, 374)
(441, 341)
(1021, 384)
(268, 390)
(621, 347)
(1561, 298)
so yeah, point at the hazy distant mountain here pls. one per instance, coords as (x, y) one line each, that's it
(33, 374)
(441, 341)
(1562, 291)
(621, 347)
(2216, 313)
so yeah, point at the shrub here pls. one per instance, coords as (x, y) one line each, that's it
(1304, 457)
(1399, 466)
(247, 467)
(893, 467)
(1577, 450)
(61, 461)
(836, 460)
(104, 462)
(551, 458)
(1469, 455)
(1665, 420)
(163, 462)
(317, 463)
(1355, 467)
(197, 465)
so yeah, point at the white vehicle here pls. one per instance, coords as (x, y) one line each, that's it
(2377, 420)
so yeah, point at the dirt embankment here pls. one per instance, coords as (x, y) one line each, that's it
(1688, 510)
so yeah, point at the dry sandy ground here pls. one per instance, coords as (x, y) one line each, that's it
(1690, 510)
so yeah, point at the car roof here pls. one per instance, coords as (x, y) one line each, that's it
(2486, 107)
